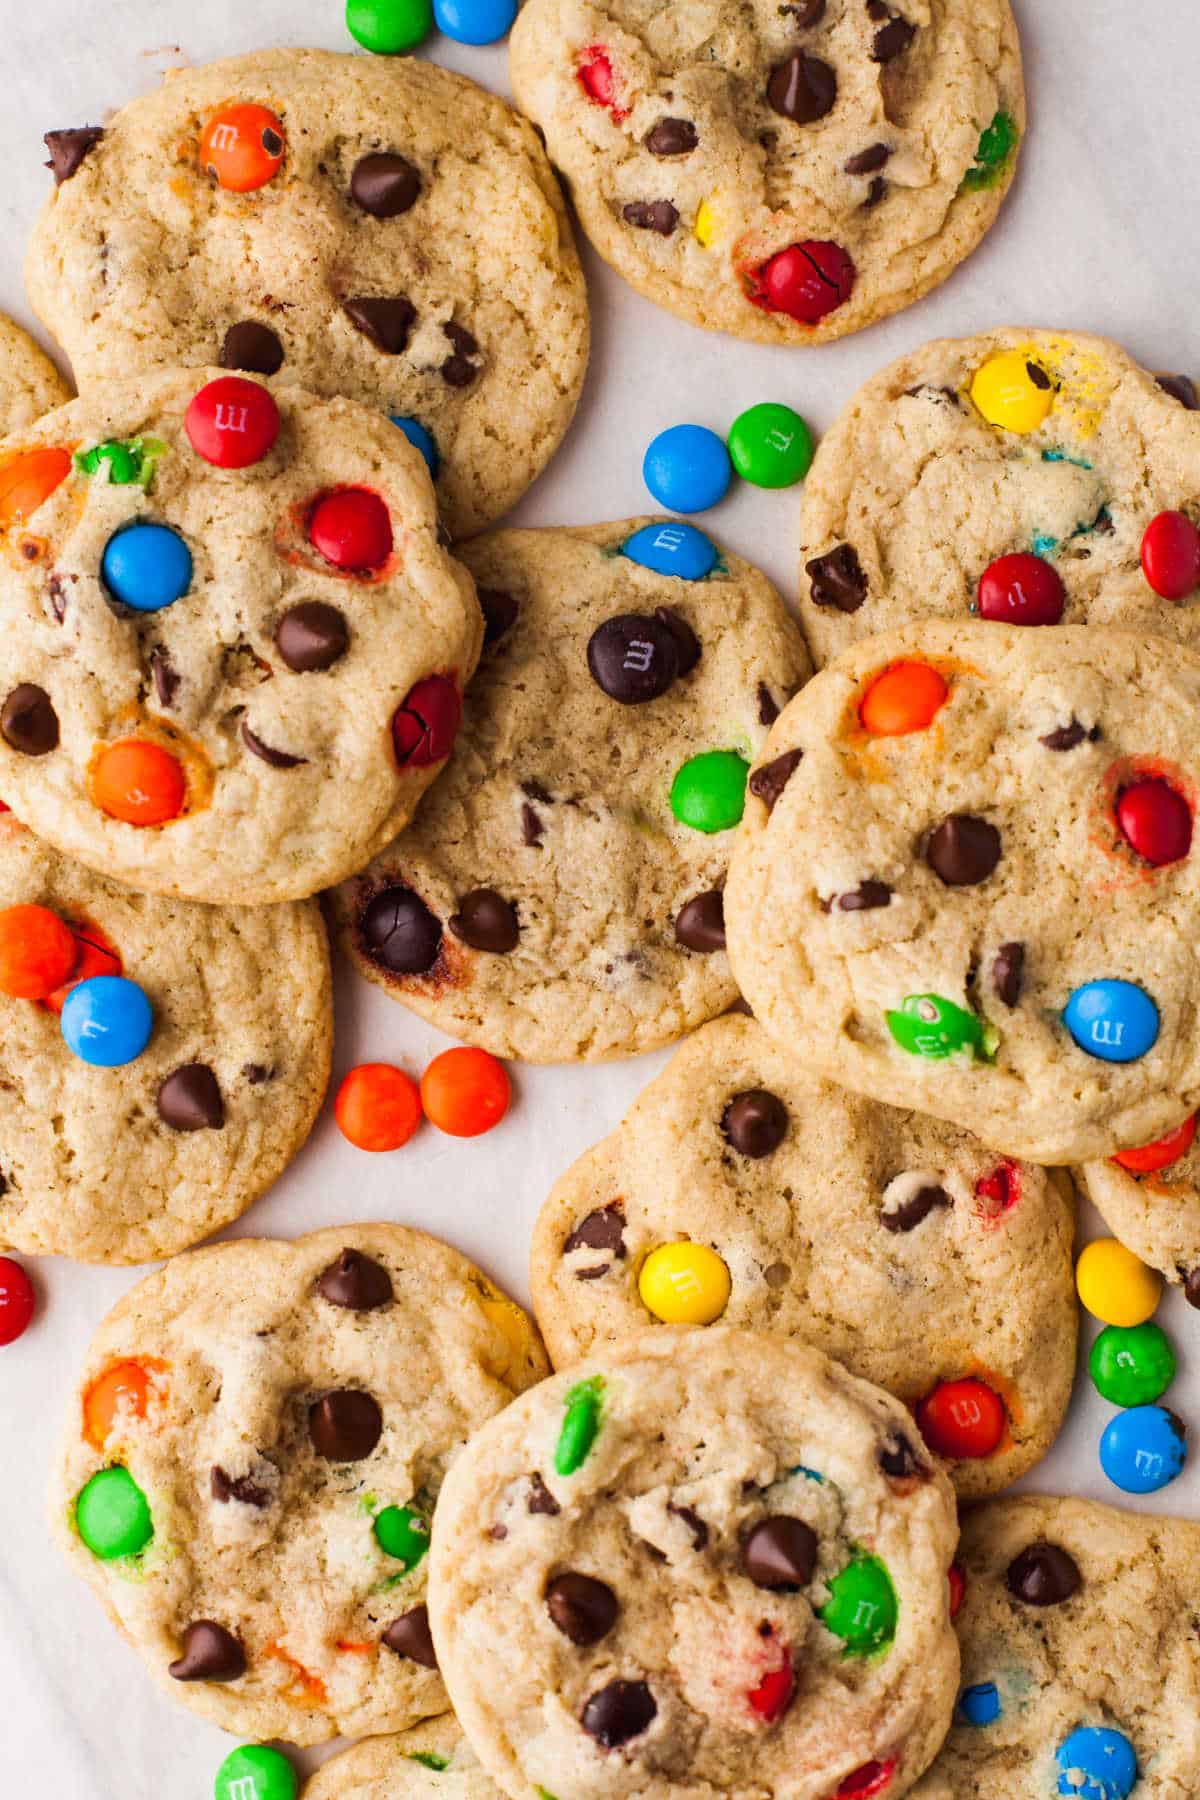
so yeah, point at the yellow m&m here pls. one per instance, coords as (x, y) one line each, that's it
(1013, 391)
(1114, 1285)
(684, 1284)
(705, 227)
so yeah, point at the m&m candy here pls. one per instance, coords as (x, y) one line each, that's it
(1013, 391)
(29, 478)
(242, 146)
(17, 1300)
(770, 445)
(1144, 1159)
(255, 1772)
(121, 1391)
(426, 722)
(581, 1422)
(598, 80)
(95, 954)
(138, 782)
(774, 1693)
(962, 1420)
(930, 1025)
(465, 1092)
(403, 1534)
(709, 791)
(1155, 820)
(867, 1781)
(1096, 1763)
(231, 422)
(125, 464)
(1116, 1021)
(862, 1608)
(1114, 1285)
(1143, 1449)
(687, 468)
(1171, 555)
(421, 439)
(678, 550)
(475, 21)
(112, 1515)
(107, 1021)
(906, 697)
(806, 281)
(37, 952)
(1132, 1365)
(979, 1704)
(351, 528)
(389, 27)
(1021, 590)
(378, 1107)
(684, 1284)
(146, 566)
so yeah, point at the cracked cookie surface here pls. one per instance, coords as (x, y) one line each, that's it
(29, 382)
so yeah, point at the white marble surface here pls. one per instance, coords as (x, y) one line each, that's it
(1100, 232)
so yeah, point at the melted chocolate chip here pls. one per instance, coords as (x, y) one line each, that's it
(225, 1488)
(1191, 1286)
(686, 641)
(769, 781)
(892, 40)
(584, 1609)
(1038, 376)
(1008, 973)
(869, 161)
(311, 636)
(164, 675)
(210, 1653)
(780, 1553)
(541, 1500)
(963, 850)
(399, 932)
(651, 215)
(356, 1282)
(618, 1712)
(499, 614)
(1181, 388)
(633, 658)
(837, 579)
(1043, 1575)
(190, 1099)
(68, 149)
(458, 371)
(274, 759)
(28, 720)
(410, 1636)
(700, 922)
(768, 708)
(345, 1426)
(918, 1207)
(802, 89)
(486, 921)
(755, 1122)
(256, 1073)
(900, 1462)
(532, 828)
(865, 897)
(384, 184)
(695, 1524)
(671, 137)
(602, 1229)
(1067, 736)
(875, 192)
(56, 588)
(253, 347)
(386, 321)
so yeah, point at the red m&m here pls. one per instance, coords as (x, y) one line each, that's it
(1021, 589)
(17, 1300)
(958, 1588)
(1171, 555)
(425, 722)
(231, 422)
(596, 78)
(352, 529)
(1155, 820)
(774, 1693)
(1145, 1159)
(806, 281)
(871, 1779)
(962, 1420)
(242, 146)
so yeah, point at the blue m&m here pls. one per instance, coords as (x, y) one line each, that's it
(1143, 1449)
(146, 566)
(107, 1021)
(475, 21)
(979, 1704)
(678, 550)
(1114, 1020)
(420, 439)
(1096, 1763)
(687, 468)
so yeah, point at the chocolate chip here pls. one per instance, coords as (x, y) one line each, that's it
(499, 613)
(1191, 1286)
(602, 1229)
(384, 184)
(892, 40)
(875, 192)
(837, 579)
(963, 850)
(1043, 1575)
(867, 162)
(532, 828)
(68, 149)
(1181, 388)
(865, 897)
(1067, 736)
(768, 708)
(806, 13)
(274, 759)
(386, 321)
(700, 922)
(272, 143)
(918, 1207)
(537, 791)
(900, 1462)
(1038, 376)
(356, 1282)
(256, 1073)
(769, 781)
(56, 588)
(780, 1552)
(671, 137)
(400, 933)
(633, 658)
(584, 1609)
(618, 1712)
(755, 1122)
(210, 1653)
(486, 921)
(28, 720)
(459, 371)
(803, 88)
(345, 1426)
(695, 1524)
(410, 1636)
(164, 675)
(190, 1099)
(1008, 972)
(686, 641)
(225, 1488)
(311, 636)
(251, 346)
(651, 215)
(541, 1500)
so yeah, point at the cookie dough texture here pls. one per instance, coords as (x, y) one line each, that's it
(1066, 887)
(1156, 1215)
(557, 798)
(30, 385)
(756, 182)
(927, 493)
(812, 1237)
(241, 1342)
(1121, 1652)
(140, 260)
(198, 674)
(701, 1437)
(88, 1166)
(431, 1759)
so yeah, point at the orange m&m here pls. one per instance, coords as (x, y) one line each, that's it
(138, 782)
(242, 146)
(378, 1107)
(465, 1092)
(124, 1387)
(1144, 1159)
(37, 952)
(962, 1420)
(28, 479)
(906, 697)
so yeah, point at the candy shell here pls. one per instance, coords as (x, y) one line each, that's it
(112, 1514)
(770, 445)
(1096, 1763)
(1132, 1365)
(979, 1704)
(1143, 1449)
(107, 1021)
(475, 21)
(1116, 1021)
(678, 550)
(687, 468)
(420, 439)
(1114, 1285)
(146, 566)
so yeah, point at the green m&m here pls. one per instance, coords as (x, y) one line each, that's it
(928, 1025)
(402, 1533)
(112, 1515)
(996, 145)
(255, 1772)
(771, 446)
(1132, 1365)
(709, 791)
(862, 1607)
(581, 1422)
(126, 464)
(389, 27)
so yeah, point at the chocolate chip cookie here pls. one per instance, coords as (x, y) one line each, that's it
(29, 385)
(559, 895)
(787, 173)
(373, 227)
(434, 1758)
(249, 1471)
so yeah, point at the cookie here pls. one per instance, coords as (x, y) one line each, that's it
(685, 1568)
(249, 1471)
(1080, 1657)
(29, 382)
(430, 1759)
(1150, 1198)
(743, 1189)
(559, 895)
(302, 211)
(785, 173)
(233, 648)
(965, 883)
(122, 1164)
(1051, 447)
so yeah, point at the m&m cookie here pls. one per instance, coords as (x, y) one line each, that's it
(1149, 1195)
(966, 882)
(741, 1189)
(708, 1563)
(302, 213)
(251, 1464)
(560, 896)
(1022, 478)
(233, 646)
(431, 1759)
(786, 173)
(30, 385)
